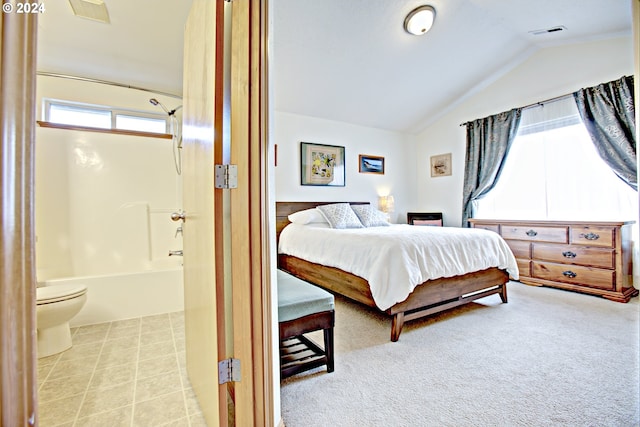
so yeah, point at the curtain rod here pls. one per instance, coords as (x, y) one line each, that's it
(535, 104)
(86, 79)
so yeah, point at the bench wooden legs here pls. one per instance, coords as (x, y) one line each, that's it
(297, 352)
(328, 348)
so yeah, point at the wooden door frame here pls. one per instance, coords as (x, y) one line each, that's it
(18, 392)
(250, 245)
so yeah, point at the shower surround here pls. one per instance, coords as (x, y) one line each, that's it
(103, 206)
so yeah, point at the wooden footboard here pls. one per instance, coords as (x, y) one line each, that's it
(428, 298)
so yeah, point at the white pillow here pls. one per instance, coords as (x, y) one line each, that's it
(370, 216)
(307, 216)
(340, 215)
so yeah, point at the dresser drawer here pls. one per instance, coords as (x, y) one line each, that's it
(575, 274)
(593, 236)
(536, 233)
(519, 248)
(574, 254)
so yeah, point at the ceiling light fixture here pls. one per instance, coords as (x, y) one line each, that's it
(420, 20)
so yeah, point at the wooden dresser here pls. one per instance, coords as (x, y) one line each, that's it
(589, 257)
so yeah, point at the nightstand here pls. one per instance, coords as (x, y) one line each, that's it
(433, 219)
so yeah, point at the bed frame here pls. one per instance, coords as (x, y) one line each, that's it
(428, 298)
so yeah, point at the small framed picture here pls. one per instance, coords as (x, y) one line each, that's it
(371, 164)
(441, 165)
(321, 165)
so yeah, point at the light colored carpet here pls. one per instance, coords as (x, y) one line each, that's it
(547, 358)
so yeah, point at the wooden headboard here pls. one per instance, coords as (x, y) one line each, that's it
(284, 209)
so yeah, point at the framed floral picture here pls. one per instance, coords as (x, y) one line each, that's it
(322, 165)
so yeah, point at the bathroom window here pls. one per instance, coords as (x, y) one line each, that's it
(104, 117)
(144, 124)
(80, 116)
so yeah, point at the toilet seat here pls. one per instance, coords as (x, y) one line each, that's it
(56, 293)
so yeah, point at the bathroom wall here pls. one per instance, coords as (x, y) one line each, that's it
(103, 201)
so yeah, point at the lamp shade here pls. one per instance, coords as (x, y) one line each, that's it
(386, 204)
(420, 20)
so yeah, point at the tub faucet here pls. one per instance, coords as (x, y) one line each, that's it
(175, 253)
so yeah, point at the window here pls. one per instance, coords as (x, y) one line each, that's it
(145, 124)
(103, 117)
(80, 116)
(554, 172)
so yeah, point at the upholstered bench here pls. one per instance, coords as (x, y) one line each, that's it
(303, 308)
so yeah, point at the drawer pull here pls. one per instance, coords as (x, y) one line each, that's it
(590, 236)
(532, 233)
(569, 254)
(569, 273)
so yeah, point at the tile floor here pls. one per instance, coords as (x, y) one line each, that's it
(125, 373)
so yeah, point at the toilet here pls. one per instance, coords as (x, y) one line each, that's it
(56, 306)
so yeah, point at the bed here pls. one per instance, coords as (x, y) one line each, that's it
(429, 297)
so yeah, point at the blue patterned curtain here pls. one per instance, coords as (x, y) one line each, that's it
(488, 143)
(608, 113)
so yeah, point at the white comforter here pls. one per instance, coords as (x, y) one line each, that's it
(395, 259)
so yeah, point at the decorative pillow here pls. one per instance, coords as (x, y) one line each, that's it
(370, 216)
(307, 216)
(340, 215)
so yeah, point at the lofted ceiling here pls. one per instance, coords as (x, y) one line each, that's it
(343, 60)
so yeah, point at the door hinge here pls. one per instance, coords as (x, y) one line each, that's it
(226, 176)
(228, 371)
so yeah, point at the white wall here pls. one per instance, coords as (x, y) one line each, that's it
(102, 200)
(398, 179)
(546, 74)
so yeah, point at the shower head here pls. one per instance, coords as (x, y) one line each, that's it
(154, 101)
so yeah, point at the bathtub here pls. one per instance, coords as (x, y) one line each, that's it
(127, 295)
